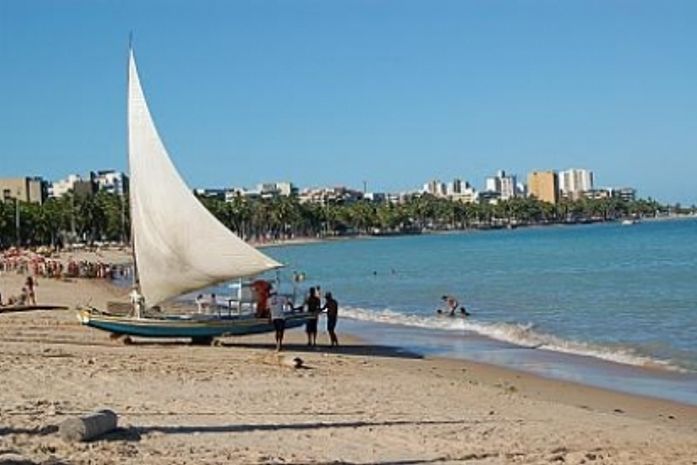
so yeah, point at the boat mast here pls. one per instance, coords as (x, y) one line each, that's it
(135, 280)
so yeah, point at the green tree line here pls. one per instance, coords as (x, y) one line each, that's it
(104, 216)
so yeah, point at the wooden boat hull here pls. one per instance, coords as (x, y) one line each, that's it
(184, 326)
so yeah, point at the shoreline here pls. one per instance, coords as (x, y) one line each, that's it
(652, 381)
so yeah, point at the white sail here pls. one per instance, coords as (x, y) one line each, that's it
(178, 244)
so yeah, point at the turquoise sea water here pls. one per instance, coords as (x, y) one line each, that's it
(605, 293)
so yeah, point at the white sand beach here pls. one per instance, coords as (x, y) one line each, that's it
(182, 404)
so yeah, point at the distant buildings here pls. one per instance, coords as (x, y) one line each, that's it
(27, 189)
(597, 194)
(111, 181)
(330, 195)
(627, 194)
(457, 189)
(219, 194)
(547, 186)
(574, 182)
(436, 188)
(266, 190)
(114, 182)
(544, 186)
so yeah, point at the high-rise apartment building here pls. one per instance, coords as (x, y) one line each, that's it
(502, 184)
(544, 185)
(574, 182)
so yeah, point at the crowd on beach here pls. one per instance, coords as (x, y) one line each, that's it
(45, 263)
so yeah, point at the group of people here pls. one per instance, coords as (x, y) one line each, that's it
(278, 307)
(25, 261)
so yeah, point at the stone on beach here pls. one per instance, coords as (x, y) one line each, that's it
(88, 427)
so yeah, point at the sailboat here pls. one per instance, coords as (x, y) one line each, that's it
(178, 245)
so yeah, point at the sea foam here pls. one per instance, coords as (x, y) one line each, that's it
(519, 334)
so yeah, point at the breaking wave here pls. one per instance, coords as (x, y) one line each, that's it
(523, 335)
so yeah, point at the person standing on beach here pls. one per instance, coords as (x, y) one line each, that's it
(314, 308)
(332, 307)
(277, 317)
(137, 301)
(31, 293)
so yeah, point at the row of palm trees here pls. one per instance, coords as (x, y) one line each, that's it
(104, 216)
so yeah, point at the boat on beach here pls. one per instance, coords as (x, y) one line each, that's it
(178, 247)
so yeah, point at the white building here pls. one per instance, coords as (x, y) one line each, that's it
(436, 188)
(63, 186)
(492, 184)
(467, 194)
(114, 182)
(506, 186)
(454, 187)
(574, 182)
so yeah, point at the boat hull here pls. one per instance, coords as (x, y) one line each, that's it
(184, 327)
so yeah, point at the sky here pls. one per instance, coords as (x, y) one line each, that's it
(393, 93)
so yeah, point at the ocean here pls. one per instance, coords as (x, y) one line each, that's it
(605, 304)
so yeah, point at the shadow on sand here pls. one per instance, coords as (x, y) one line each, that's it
(247, 428)
(350, 349)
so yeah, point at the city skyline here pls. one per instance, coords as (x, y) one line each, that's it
(386, 95)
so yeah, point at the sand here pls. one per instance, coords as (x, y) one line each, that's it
(182, 404)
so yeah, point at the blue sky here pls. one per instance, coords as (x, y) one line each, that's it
(337, 92)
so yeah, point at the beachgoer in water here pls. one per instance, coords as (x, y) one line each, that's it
(450, 304)
(31, 294)
(277, 317)
(199, 303)
(332, 307)
(314, 308)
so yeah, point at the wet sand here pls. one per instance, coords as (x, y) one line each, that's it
(360, 404)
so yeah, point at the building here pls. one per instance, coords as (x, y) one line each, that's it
(435, 188)
(596, 194)
(74, 183)
(27, 189)
(218, 194)
(508, 186)
(376, 197)
(492, 184)
(544, 186)
(454, 187)
(628, 194)
(574, 182)
(330, 195)
(111, 181)
(276, 189)
(522, 190)
(504, 185)
(491, 197)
